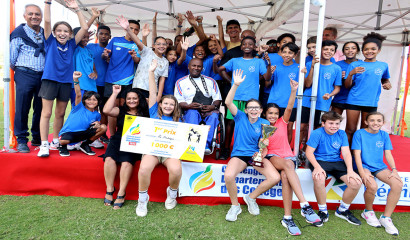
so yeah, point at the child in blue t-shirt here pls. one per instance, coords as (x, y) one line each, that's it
(369, 145)
(350, 51)
(248, 131)
(83, 123)
(365, 80)
(58, 69)
(166, 109)
(323, 152)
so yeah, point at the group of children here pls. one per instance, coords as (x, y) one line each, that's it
(117, 72)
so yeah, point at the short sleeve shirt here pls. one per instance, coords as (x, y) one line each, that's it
(327, 147)
(185, 91)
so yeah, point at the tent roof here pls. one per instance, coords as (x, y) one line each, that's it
(353, 18)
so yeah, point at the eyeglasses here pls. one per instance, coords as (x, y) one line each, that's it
(253, 108)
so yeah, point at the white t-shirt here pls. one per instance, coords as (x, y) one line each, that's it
(141, 75)
(185, 91)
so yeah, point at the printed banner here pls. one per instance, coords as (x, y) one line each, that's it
(164, 138)
(207, 179)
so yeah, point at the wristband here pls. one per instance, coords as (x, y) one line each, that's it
(200, 23)
(76, 83)
(393, 169)
(180, 26)
(77, 10)
(47, 2)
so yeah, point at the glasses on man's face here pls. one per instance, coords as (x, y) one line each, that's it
(272, 45)
(253, 108)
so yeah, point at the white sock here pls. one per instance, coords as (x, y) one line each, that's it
(323, 208)
(55, 140)
(173, 192)
(142, 196)
(343, 206)
(303, 204)
(44, 143)
(287, 217)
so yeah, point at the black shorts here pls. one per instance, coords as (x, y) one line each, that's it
(292, 115)
(336, 169)
(51, 90)
(103, 100)
(124, 90)
(113, 151)
(75, 137)
(224, 88)
(339, 105)
(306, 116)
(246, 159)
(145, 93)
(361, 108)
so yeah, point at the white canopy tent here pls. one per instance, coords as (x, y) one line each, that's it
(269, 19)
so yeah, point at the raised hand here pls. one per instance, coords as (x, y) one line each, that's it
(199, 19)
(180, 18)
(122, 22)
(190, 17)
(116, 89)
(219, 18)
(153, 65)
(77, 75)
(145, 30)
(266, 57)
(272, 69)
(71, 4)
(95, 12)
(315, 60)
(237, 77)
(184, 43)
(154, 20)
(263, 48)
(213, 37)
(217, 58)
(294, 85)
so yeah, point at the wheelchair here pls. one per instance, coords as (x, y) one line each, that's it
(218, 139)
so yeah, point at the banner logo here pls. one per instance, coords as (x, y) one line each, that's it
(135, 130)
(202, 180)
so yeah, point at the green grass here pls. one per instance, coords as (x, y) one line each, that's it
(45, 217)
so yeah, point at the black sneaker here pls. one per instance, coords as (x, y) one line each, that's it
(36, 142)
(105, 139)
(323, 216)
(348, 216)
(85, 148)
(64, 151)
(224, 154)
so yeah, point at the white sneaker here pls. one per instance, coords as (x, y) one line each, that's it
(253, 207)
(388, 225)
(170, 203)
(371, 218)
(233, 213)
(54, 146)
(141, 209)
(73, 147)
(97, 144)
(44, 152)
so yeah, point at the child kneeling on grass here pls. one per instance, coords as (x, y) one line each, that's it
(83, 123)
(369, 145)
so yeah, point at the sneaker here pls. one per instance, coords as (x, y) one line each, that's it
(36, 142)
(44, 152)
(72, 147)
(323, 216)
(23, 148)
(224, 154)
(64, 151)
(85, 148)
(233, 213)
(54, 146)
(291, 226)
(141, 209)
(97, 144)
(348, 216)
(105, 139)
(170, 203)
(388, 225)
(253, 207)
(371, 218)
(311, 216)
(207, 151)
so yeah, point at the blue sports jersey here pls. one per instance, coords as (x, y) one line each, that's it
(101, 65)
(308, 59)
(121, 68)
(80, 119)
(175, 72)
(84, 63)
(59, 66)
(366, 86)
(372, 146)
(329, 77)
(281, 89)
(252, 69)
(153, 113)
(342, 95)
(190, 51)
(247, 135)
(327, 147)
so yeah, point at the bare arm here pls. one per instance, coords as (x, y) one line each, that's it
(47, 20)
(84, 27)
(221, 32)
(152, 85)
(154, 29)
(184, 45)
(161, 83)
(180, 19)
(238, 79)
(76, 77)
(123, 22)
(268, 75)
(96, 14)
(288, 111)
(109, 108)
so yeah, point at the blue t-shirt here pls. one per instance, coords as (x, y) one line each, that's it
(247, 135)
(327, 147)
(59, 66)
(329, 77)
(190, 51)
(214, 75)
(153, 113)
(121, 68)
(175, 72)
(207, 67)
(80, 119)
(84, 63)
(366, 86)
(252, 69)
(308, 59)
(372, 146)
(341, 97)
(100, 64)
(281, 89)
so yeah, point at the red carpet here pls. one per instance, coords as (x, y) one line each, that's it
(82, 176)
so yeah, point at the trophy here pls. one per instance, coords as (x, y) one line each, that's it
(267, 131)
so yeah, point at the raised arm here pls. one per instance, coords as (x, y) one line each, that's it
(218, 46)
(268, 75)
(84, 27)
(47, 19)
(309, 78)
(154, 28)
(123, 22)
(237, 80)
(76, 81)
(184, 46)
(180, 19)
(221, 31)
(152, 85)
(109, 108)
(195, 24)
(288, 111)
(95, 15)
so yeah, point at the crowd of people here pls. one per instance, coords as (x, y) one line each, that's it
(173, 81)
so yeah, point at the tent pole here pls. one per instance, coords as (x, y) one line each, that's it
(6, 77)
(301, 75)
(313, 99)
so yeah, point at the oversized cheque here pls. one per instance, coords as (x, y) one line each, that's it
(164, 138)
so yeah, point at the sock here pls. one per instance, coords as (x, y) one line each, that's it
(302, 205)
(142, 196)
(287, 217)
(44, 143)
(343, 206)
(173, 192)
(323, 208)
(55, 140)
(368, 210)
(382, 216)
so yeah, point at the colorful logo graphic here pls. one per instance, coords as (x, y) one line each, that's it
(135, 130)
(334, 189)
(202, 181)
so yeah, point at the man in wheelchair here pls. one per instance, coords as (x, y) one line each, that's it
(199, 98)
